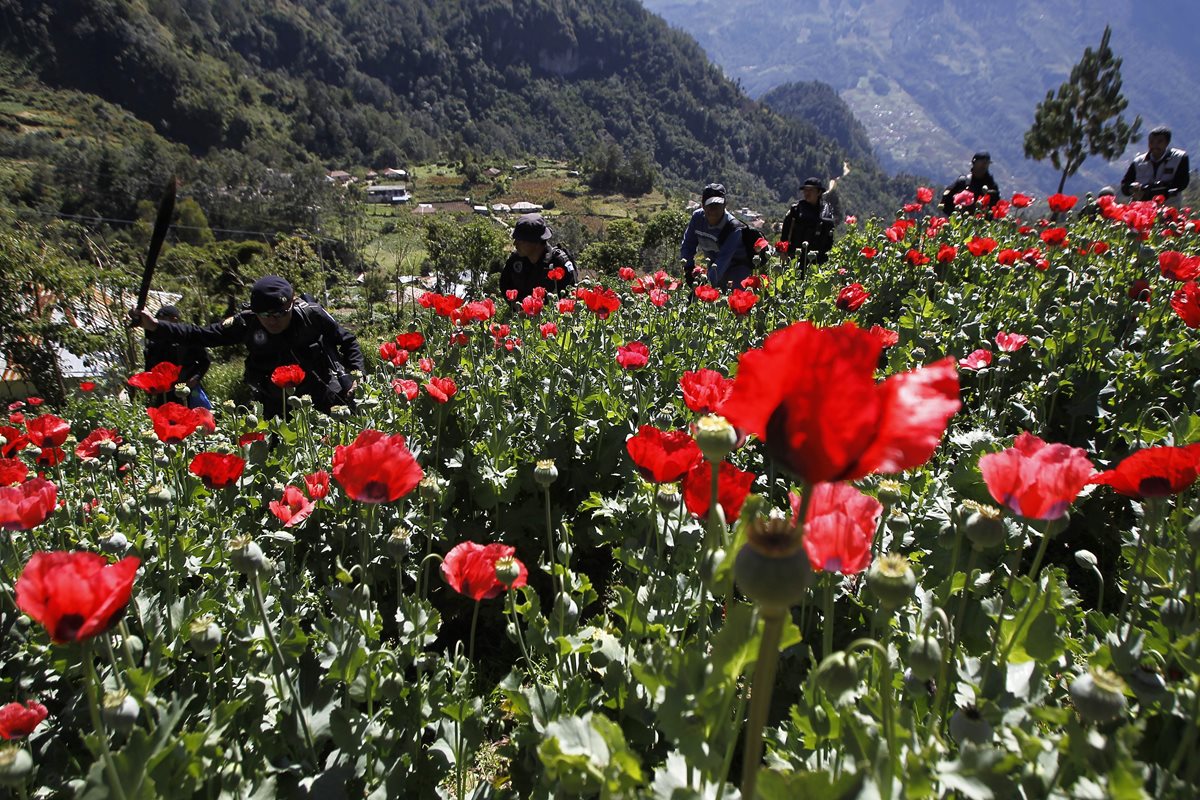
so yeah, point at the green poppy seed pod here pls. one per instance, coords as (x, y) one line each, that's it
(984, 526)
(1173, 613)
(183, 390)
(108, 447)
(162, 460)
(918, 354)
(430, 488)
(667, 498)
(114, 543)
(1147, 683)
(772, 568)
(507, 570)
(968, 725)
(15, 765)
(204, 636)
(545, 472)
(161, 496)
(119, 710)
(91, 464)
(127, 454)
(892, 580)
(890, 491)
(251, 422)
(837, 674)
(127, 510)
(899, 522)
(340, 412)
(246, 556)
(924, 657)
(715, 436)
(1098, 695)
(398, 544)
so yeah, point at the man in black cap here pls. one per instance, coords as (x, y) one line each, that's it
(192, 360)
(536, 262)
(715, 232)
(1160, 171)
(279, 329)
(979, 183)
(808, 226)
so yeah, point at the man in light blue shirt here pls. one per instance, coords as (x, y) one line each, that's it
(714, 232)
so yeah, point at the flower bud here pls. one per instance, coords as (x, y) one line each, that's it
(246, 556)
(507, 570)
(251, 422)
(1173, 613)
(204, 636)
(892, 580)
(1098, 695)
(1086, 559)
(119, 710)
(924, 657)
(295, 400)
(837, 674)
(715, 436)
(545, 473)
(15, 765)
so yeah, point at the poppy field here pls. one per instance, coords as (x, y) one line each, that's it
(918, 522)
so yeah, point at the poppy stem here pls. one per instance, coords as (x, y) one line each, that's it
(516, 621)
(281, 666)
(827, 618)
(92, 686)
(761, 688)
(1145, 541)
(471, 645)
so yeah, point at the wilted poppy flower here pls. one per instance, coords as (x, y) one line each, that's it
(289, 376)
(868, 252)
(1186, 303)
(1010, 342)
(217, 470)
(376, 468)
(978, 359)
(633, 355)
(47, 430)
(441, 389)
(1061, 202)
(12, 471)
(470, 569)
(946, 253)
(708, 294)
(293, 509)
(981, 245)
(1139, 290)
(18, 721)
(662, 456)
(75, 595)
(705, 390)
(173, 422)
(548, 329)
(1154, 472)
(810, 394)
(839, 527)
(742, 301)
(87, 386)
(406, 388)
(90, 446)
(852, 297)
(924, 194)
(1034, 479)
(733, 486)
(27, 504)
(159, 379)
(1054, 236)
(1178, 267)
(317, 484)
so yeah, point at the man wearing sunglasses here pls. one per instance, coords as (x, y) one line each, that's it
(280, 329)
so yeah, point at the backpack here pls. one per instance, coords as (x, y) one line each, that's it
(753, 242)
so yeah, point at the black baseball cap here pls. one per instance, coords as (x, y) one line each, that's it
(713, 193)
(532, 228)
(167, 312)
(982, 155)
(270, 293)
(813, 182)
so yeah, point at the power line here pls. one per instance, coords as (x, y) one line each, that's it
(86, 218)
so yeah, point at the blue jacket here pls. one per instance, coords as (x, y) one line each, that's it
(728, 258)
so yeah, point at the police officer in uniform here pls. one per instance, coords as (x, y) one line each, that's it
(192, 360)
(536, 262)
(811, 221)
(1161, 170)
(279, 329)
(979, 182)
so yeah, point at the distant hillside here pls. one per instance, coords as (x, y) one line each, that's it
(261, 84)
(935, 80)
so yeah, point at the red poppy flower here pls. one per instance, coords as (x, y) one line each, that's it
(1021, 200)
(977, 360)
(16, 404)
(1034, 479)
(1010, 342)
(733, 486)
(51, 457)
(705, 390)
(852, 297)
(251, 438)
(810, 394)
(14, 441)
(1098, 248)
(1178, 267)
(406, 388)
(851, 220)
(442, 304)
(159, 379)
(317, 484)
(393, 354)
(839, 528)
(1054, 237)
(946, 253)
(511, 295)
(895, 233)
(426, 364)
(566, 305)
(742, 301)
(911, 207)
(293, 508)
(658, 298)
(548, 329)
(470, 569)
(376, 468)
(18, 721)
(964, 198)
(441, 389)
(887, 338)
(87, 386)
(47, 430)
(173, 422)
(633, 355)
(708, 294)
(924, 194)
(783, 246)
(34, 401)
(1008, 257)
(868, 252)
(217, 470)
(600, 301)
(75, 595)
(90, 446)
(1154, 472)
(916, 258)
(531, 306)
(1186, 303)
(12, 471)
(981, 245)
(1139, 291)
(458, 339)
(413, 340)
(289, 376)
(626, 273)
(17, 418)
(662, 456)
(1060, 203)
(27, 504)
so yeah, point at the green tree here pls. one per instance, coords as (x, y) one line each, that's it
(476, 248)
(1084, 117)
(621, 247)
